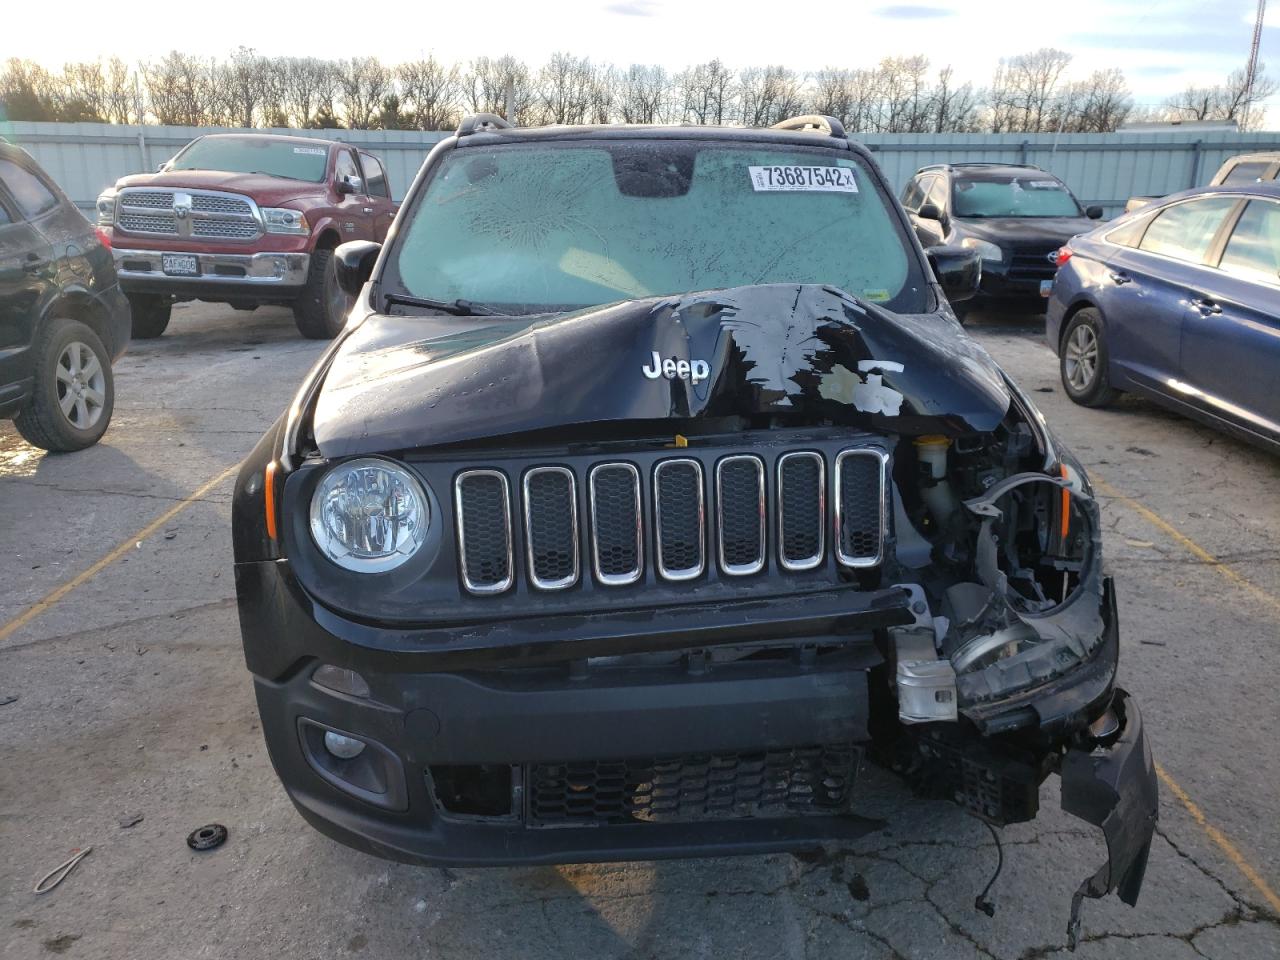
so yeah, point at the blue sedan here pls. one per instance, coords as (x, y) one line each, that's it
(1178, 301)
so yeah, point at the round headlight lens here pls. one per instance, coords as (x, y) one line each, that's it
(369, 515)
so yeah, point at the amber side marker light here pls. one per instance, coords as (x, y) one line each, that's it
(269, 496)
(1066, 503)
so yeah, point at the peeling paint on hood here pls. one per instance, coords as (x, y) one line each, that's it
(811, 351)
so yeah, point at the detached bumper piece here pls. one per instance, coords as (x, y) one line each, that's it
(1111, 783)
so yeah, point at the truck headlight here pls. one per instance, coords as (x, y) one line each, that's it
(369, 515)
(987, 251)
(106, 205)
(283, 220)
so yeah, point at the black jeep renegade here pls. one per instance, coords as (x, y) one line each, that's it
(653, 488)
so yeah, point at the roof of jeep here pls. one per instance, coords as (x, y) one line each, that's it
(488, 136)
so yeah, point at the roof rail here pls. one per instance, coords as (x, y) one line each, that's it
(480, 122)
(828, 125)
(994, 163)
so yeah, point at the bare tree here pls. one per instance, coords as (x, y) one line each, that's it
(488, 81)
(953, 108)
(364, 83)
(644, 94)
(1024, 91)
(27, 91)
(565, 84)
(707, 93)
(179, 89)
(1232, 100)
(430, 92)
(769, 94)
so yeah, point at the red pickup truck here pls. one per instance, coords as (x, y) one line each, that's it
(245, 219)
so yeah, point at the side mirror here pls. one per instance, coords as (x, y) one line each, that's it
(349, 184)
(958, 269)
(354, 262)
(929, 211)
(1093, 211)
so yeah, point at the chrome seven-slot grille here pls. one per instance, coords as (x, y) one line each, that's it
(187, 213)
(703, 511)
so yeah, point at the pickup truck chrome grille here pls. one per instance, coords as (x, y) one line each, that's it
(682, 509)
(204, 214)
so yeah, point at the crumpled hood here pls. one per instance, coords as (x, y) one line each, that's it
(779, 349)
(1032, 231)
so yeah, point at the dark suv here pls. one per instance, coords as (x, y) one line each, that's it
(651, 487)
(1015, 216)
(63, 319)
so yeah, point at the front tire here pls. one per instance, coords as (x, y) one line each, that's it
(321, 311)
(150, 315)
(73, 394)
(1083, 359)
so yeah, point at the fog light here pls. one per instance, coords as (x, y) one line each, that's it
(344, 748)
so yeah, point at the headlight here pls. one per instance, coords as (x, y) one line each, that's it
(369, 515)
(281, 220)
(986, 250)
(106, 208)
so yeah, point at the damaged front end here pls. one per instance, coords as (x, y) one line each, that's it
(731, 539)
(1013, 677)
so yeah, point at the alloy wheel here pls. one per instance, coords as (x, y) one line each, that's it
(1081, 358)
(82, 385)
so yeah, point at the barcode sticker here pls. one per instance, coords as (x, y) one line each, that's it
(797, 178)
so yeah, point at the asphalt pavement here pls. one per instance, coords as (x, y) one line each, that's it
(134, 723)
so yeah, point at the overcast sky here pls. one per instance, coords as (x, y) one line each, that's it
(1161, 46)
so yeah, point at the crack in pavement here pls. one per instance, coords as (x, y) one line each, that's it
(102, 491)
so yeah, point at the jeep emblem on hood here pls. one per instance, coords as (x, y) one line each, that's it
(672, 369)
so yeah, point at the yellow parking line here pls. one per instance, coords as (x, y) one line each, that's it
(1200, 553)
(47, 601)
(1218, 837)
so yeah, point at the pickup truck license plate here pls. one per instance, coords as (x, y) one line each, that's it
(180, 265)
(1046, 287)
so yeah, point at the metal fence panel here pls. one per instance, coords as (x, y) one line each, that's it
(1101, 168)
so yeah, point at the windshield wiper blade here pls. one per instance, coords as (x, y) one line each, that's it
(459, 308)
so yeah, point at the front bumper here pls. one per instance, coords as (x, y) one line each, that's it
(435, 705)
(223, 276)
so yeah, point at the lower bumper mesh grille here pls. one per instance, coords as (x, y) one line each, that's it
(774, 783)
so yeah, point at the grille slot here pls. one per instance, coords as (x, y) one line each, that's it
(697, 787)
(801, 510)
(860, 507)
(741, 508)
(551, 527)
(210, 203)
(1032, 265)
(148, 198)
(617, 541)
(234, 229)
(147, 223)
(680, 515)
(482, 502)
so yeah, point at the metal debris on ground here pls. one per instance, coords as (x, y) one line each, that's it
(61, 871)
(208, 837)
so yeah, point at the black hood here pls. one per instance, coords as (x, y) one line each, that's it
(803, 351)
(1031, 231)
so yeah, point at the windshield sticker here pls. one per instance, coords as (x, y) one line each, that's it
(793, 177)
(310, 151)
(1045, 185)
(876, 296)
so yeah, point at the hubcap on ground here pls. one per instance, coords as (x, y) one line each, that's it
(1081, 357)
(82, 385)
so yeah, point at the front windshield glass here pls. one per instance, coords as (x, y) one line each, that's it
(530, 228)
(276, 158)
(1035, 195)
